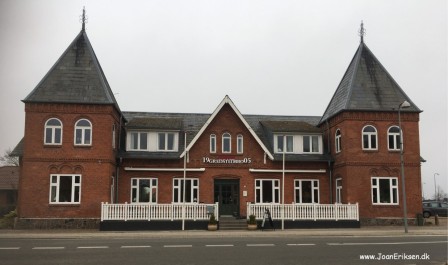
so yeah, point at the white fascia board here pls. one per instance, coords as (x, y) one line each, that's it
(164, 169)
(261, 170)
(227, 100)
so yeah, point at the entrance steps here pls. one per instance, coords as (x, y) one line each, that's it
(232, 223)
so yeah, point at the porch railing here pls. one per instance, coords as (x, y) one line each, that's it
(306, 211)
(145, 211)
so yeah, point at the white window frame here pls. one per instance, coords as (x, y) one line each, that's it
(54, 130)
(55, 189)
(239, 144)
(338, 190)
(289, 147)
(376, 191)
(311, 145)
(369, 135)
(298, 189)
(396, 138)
(178, 189)
(337, 141)
(152, 190)
(212, 143)
(226, 138)
(139, 136)
(114, 136)
(84, 130)
(275, 183)
(165, 144)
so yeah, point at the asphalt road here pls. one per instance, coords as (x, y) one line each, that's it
(226, 251)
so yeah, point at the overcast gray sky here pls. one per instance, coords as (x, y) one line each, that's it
(270, 57)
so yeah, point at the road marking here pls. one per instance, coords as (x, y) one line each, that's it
(46, 248)
(219, 245)
(386, 243)
(292, 245)
(135, 246)
(93, 247)
(9, 248)
(260, 245)
(178, 246)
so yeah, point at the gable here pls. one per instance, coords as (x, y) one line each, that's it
(227, 103)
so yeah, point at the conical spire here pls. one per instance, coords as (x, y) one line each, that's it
(366, 86)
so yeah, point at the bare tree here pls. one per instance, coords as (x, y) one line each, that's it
(8, 160)
(440, 195)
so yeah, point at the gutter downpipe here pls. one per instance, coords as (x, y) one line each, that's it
(329, 162)
(119, 160)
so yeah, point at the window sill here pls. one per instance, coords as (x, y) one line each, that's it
(82, 146)
(64, 204)
(52, 145)
(386, 205)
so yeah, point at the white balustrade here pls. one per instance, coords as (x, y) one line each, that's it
(313, 211)
(145, 211)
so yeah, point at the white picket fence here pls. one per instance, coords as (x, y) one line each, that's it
(145, 211)
(314, 212)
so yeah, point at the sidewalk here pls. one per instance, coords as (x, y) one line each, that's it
(373, 231)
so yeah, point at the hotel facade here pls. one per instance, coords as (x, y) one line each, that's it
(87, 163)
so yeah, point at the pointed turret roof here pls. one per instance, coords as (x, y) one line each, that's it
(366, 86)
(76, 77)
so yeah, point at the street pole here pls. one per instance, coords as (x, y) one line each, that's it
(405, 104)
(184, 182)
(283, 184)
(435, 188)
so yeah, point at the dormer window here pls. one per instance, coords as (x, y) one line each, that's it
(284, 141)
(166, 142)
(138, 141)
(311, 144)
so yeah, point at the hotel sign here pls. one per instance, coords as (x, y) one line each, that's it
(209, 160)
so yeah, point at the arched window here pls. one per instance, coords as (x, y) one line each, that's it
(83, 132)
(212, 143)
(239, 144)
(53, 132)
(226, 143)
(338, 141)
(393, 138)
(369, 138)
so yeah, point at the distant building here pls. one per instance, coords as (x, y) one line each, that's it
(9, 184)
(81, 150)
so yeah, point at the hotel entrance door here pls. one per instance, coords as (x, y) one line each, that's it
(227, 196)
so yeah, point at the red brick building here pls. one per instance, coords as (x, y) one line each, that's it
(80, 150)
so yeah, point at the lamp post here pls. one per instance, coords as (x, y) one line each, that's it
(283, 184)
(435, 187)
(184, 181)
(405, 104)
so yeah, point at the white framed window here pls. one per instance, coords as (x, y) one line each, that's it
(191, 190)
(369, 138)
(267, 191)
(393, 138)
(239, 144)
(138, 141)
(384, 190)
(306, 190)
(83, 132)
(65, 189)
(339, 190)
(144, 190)
(284, 141)
(226, 143)
(212, 143)
(311, 144)
(166, 141)
(337, 141)
(53, 132)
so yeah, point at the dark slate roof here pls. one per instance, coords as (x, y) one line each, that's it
(193, 122)
(76, 77)
(366, 86)
(18, 150)
(9, 178)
